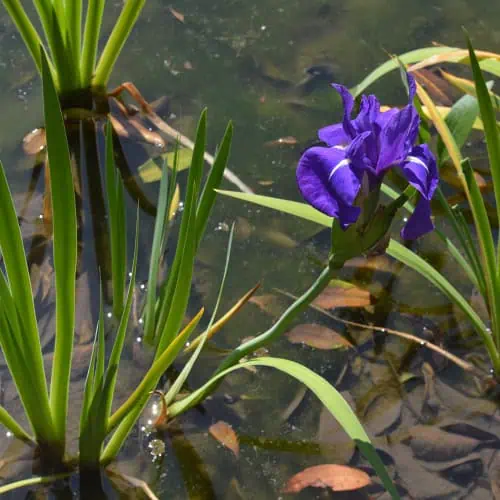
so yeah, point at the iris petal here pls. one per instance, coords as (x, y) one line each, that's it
(420, 170)
(397, 137)
(348, 103)
(369, 109)
(327, 182)
(333, 135)
(420, 221)
(412, 87)
(364, 148)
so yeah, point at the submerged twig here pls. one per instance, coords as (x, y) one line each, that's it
(172, 133)
(134, 482)
(469, 367)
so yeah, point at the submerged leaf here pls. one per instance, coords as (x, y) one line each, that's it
(278, 238)
(436, 445)
(343, 296)
(335, 444)
(336, 477)
(177, 14)
(317, 336)
(288, 141)
(269, 303)
(380, 263)
(224, 433)
(437, 87)
(34, 142)
(150, 171)
(383, 412)
(494, 476)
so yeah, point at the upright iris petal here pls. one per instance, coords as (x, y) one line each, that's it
(366, 147)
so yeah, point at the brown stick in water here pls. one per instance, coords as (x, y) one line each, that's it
(172, 133)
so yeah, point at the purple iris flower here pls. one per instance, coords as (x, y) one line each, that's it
(357, 155)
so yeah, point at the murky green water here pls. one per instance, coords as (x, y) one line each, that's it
(246, 61)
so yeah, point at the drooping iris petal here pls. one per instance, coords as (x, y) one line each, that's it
(348, 103)
(420, 221)
(334, 135)
(421, 171)
(327, 182)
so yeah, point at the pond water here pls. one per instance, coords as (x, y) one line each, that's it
(246, 61)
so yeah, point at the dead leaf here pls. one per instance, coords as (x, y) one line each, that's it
(265, 183)
(34, 142)
(80, 360)
(129, 485)
(278, 238)
(336, 477)
(437, 87)
(468, 430)
(269, 303)
(177, 14)
(436, 445)
(41, 279)
(494, 476)
(160, 424)
(294, 404)
(224, 433)
(289, 140)
(430, 403)
(317, 336)
(478, 303)
(383, 412)
(343, 296)
(380, 263)
(150, 171)
(335, 444)
(242, 228)
(419, 481)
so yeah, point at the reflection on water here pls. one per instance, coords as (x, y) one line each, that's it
(265, 65)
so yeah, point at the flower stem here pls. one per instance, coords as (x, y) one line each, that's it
(283, 322)
(265, 338)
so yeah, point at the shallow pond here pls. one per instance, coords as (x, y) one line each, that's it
(247, 62)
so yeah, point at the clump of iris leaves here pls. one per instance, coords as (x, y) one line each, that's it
(72, 40)
(103, 432)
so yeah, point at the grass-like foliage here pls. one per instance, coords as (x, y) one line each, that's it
(102, 431)
(72, 40)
